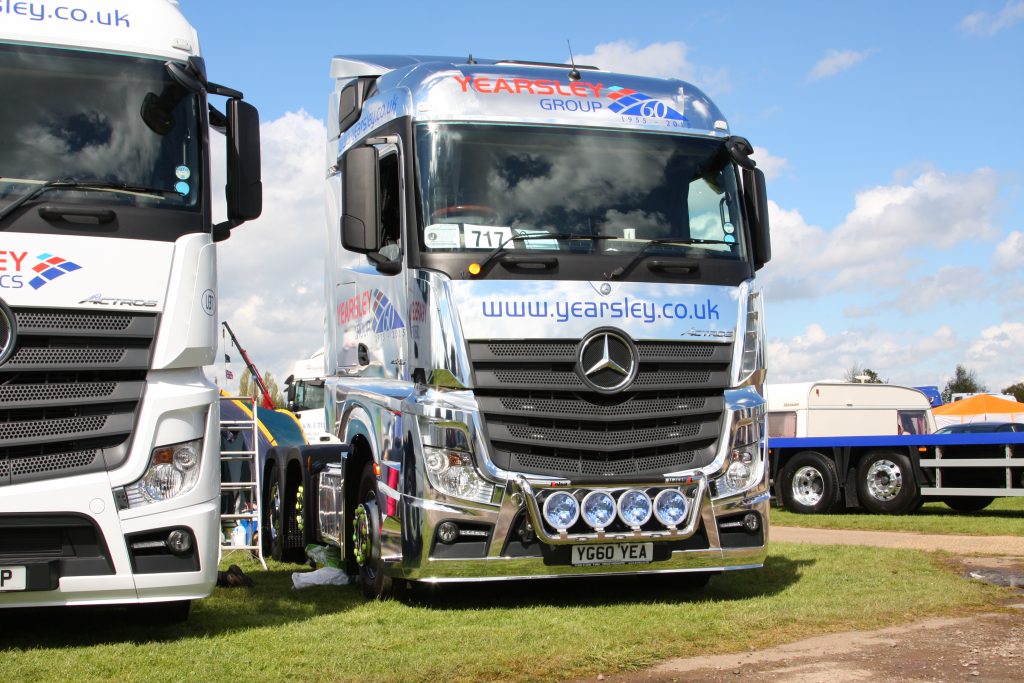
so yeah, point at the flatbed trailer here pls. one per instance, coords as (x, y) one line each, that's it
(896, 474)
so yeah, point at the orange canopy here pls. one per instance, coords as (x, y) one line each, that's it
(981, 408)
(976, 405)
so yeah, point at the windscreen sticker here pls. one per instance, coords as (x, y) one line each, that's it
(442, 236)
(182, 173)
(182, 188)
(487, 237)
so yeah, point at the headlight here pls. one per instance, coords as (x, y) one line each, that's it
(598, 509)
(452, 473)
(744, 471)
(561, 510)
(634, 508)
(670, 507)
(448, 457)
(173, 471)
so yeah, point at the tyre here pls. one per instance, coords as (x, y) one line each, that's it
(885, 483)
(366, 540)
(272, 524)
(968, 503)
(809, 484)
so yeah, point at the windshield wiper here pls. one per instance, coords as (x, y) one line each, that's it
(68, 183)
(528, 235)
(679, 241)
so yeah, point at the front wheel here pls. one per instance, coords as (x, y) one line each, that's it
(885, 483)
(968, 503)
(809, 484)
(366, 540)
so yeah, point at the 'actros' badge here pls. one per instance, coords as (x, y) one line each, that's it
(607, 361)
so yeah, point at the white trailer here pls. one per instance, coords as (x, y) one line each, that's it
(109, 469)
(836, 444)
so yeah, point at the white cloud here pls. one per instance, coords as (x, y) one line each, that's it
(989, 23)
(271, 270)
(1009, 254)
(660, 60)
(885, 234)
(772, 166)
(901, 357)
(836, 61)
(996, 353)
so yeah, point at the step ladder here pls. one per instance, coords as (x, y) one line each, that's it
(241, 494)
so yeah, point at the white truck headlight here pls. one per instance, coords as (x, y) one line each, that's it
(173, 471)
(744, 466)
(448, 460)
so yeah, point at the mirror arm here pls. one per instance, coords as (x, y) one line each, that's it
(217, 89)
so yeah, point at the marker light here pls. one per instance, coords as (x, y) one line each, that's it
(670, 507)
(474, 268)
(598, 509)
(561, 510)
(635, 508)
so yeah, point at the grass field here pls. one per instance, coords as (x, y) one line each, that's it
(1004, 517)
(510, 631)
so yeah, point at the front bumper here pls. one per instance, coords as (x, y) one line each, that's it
(501, 555)
(89, 500)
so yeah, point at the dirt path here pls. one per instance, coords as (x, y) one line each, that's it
(961, 545)
(981, 647)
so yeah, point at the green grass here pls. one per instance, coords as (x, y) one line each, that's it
(1004, 517)
(512, 631)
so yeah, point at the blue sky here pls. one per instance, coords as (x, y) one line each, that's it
(890, 133)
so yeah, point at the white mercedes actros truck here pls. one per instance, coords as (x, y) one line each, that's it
(109, 441)
(545, 340)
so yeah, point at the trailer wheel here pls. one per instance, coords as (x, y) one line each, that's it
(272, 524)
(809, 484)
(885, 483)
(968, 503)
(366, 521)
(278, 520)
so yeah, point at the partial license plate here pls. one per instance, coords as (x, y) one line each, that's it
(613, 553)
(12, 579)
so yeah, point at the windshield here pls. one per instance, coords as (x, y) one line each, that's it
(483, 185)
(82, 118)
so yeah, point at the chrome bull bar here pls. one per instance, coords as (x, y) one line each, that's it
(693, 487)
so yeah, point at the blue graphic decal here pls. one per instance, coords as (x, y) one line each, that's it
(632, 103)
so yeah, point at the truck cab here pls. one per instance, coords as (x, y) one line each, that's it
(545, 337)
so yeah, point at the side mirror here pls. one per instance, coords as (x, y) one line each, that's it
(757, 207)
(244, 187)
(360, 219)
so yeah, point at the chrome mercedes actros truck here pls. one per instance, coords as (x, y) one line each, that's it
(109, 440)
(545, 339)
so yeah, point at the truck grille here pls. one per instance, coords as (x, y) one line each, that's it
(70, 391)
(542, 418)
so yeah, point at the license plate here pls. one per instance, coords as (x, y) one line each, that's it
(12, 579)
(613, 553)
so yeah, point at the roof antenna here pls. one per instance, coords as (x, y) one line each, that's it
(574, 75)
(470, 60)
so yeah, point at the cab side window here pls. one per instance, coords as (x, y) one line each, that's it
(390, 206)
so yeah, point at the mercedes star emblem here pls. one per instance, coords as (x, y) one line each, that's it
(607, 361)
